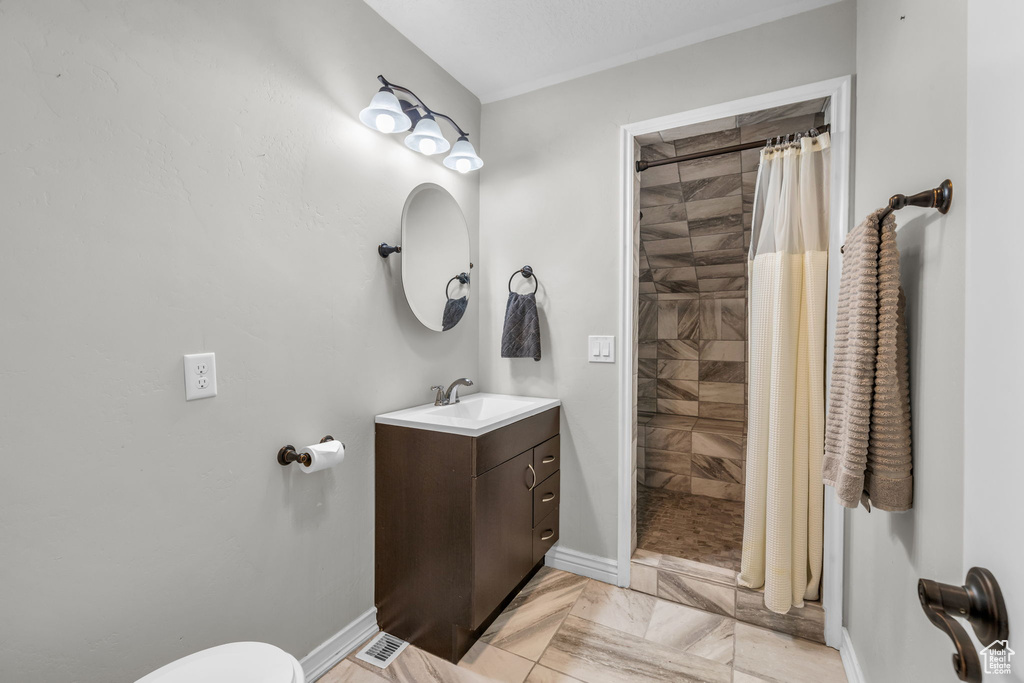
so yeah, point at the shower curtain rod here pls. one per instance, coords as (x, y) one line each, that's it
(644, 165)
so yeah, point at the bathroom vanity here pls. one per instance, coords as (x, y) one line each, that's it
(466, 507)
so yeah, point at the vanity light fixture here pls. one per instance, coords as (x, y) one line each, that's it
(463, 157)
(426, 137)
(388, 113)
(385, 113)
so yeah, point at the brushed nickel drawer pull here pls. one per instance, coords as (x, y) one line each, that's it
(547, 534)
(534, 473)
(548, 458)
(547, 497)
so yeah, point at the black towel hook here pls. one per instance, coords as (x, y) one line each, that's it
(527, 272)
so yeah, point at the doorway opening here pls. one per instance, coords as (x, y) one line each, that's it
(695, 232)
(684, 403)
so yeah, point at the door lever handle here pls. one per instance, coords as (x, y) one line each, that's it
(980, 601)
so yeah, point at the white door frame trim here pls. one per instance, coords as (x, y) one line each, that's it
(839, 89)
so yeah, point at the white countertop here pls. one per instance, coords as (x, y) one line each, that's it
(474, 415)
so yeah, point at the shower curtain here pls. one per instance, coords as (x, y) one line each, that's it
(782, 533)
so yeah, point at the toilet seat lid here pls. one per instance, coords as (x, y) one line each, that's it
(249, 662)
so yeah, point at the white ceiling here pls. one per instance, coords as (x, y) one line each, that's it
(502, 48)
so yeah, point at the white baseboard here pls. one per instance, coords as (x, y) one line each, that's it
(337, 647)
(593, 567)
(850, 663)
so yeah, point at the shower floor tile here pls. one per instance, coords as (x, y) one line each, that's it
(698, 528)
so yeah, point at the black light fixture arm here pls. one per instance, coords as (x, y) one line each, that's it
(420, 104)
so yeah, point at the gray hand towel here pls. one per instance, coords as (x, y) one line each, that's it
(454, 309)
(521, 336)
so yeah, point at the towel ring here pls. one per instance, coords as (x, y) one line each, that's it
(527, 272)
(463, 278)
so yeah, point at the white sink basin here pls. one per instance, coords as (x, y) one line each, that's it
(474, 415)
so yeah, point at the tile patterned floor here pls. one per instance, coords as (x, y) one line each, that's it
(698, 528)
(717, 590)
(565, 628)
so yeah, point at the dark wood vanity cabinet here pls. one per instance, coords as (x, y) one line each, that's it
(462, 523)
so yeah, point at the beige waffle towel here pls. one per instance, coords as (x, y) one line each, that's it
(867, 435)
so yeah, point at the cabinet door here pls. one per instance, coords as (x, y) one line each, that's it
(502, 533)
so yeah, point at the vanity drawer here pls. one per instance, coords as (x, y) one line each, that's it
(545, 497)
(505, 443)
(546, 458)
(544, 535)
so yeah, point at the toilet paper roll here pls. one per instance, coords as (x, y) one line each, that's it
(323, 455)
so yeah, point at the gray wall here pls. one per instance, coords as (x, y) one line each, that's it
(911, 127)
(993, 468)
(550, 197)
(180, 177)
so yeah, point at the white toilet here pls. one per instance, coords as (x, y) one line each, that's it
(231, 663)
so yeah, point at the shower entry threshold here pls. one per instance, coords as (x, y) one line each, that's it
(714, 589)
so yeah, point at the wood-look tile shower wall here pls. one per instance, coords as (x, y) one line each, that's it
(694, 238)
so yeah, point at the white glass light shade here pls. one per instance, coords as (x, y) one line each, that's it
(385, 113)
(463, 157)
(426, 138)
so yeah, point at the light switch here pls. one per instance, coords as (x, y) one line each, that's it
(601, 349)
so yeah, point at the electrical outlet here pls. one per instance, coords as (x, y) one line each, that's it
(200, 376)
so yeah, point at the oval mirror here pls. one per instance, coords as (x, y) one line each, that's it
(435, 257)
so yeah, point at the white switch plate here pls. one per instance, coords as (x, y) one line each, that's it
(200, 376)
(601, 349)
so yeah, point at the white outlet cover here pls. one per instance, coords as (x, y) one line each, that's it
(200, 376)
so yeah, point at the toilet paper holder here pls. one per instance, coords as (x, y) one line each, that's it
(287, 455)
